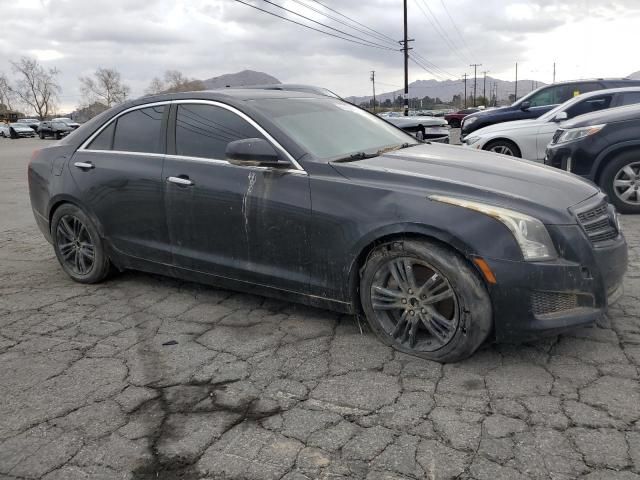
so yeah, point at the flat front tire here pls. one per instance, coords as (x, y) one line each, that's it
(424, 299)
(78, 245)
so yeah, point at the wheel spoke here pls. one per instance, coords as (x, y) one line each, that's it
(401, 321)
(448, 293)
(425, 318)
(622, 183)
(439, 320)
(627, 193)
(386, 299)
(629, 171)
(402, 272)
(66, 228)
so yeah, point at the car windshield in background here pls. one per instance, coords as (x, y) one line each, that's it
(330, 129)
(59, 124)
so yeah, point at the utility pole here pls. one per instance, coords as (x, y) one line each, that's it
(465, 89)
(516, 94)
(373, 81)
(554, 72)
(475, 78)
(484, 89)
(405, 47)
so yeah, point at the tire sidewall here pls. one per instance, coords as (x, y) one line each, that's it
(101, 262)
(608, 175)
(476, 318)
(514, 148)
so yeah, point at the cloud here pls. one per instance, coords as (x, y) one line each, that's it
(207, 38)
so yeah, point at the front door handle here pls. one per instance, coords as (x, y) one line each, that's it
(84, 165)
(185, 182)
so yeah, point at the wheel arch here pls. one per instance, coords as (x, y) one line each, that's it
(60, 200)
(609, 153)
(501, 139)
(398, 233)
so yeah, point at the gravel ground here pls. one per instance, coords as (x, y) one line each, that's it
(145, 377)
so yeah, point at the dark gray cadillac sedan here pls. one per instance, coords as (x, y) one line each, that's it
(311, 199)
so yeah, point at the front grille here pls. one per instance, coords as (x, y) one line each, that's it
(598, 224)
(556, 136)
(545, 303)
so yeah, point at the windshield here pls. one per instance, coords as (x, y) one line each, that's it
(328, 128)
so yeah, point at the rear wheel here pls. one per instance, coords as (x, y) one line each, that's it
(423, 299)
(41, 134)
(78, 245)
(621, 180)
(58, 136)
(454, 123)
(504, 147)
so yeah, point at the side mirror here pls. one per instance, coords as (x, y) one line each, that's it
(252, 151)
(561, 117)
(525, 105)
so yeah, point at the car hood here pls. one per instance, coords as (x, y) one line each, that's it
(506, 126)
(22, 128)
(531, 188)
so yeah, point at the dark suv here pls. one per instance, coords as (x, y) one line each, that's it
(53, 128)
(540, 101)
(605, 148)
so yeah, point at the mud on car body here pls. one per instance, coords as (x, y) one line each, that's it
(311, 199)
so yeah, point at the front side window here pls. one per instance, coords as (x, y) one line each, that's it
(544, 97)
(140, 131)
(328, 128)
(206, 130)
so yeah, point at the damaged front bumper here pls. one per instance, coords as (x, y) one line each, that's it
(531, 299)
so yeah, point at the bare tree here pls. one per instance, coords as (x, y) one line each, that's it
(174, 81)
(37, 86)
(105, 87)
(6, 93)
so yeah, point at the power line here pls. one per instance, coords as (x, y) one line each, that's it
(432, 65)
(354, 21)
(327, 26)
(438, 29)
(377, 36)
(460, 36)
(369, 44)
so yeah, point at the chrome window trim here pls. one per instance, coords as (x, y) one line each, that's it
(244, 116)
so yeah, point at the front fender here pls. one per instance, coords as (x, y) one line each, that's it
(597, 167)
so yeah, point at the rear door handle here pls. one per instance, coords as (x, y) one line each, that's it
(84, 165)
(180, 181)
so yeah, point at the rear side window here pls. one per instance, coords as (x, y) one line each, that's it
(629, 98)
(205, 130)
(140, 131)
(591, 105)
(104, 141)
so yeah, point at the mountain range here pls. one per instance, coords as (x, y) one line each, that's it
(240, 79)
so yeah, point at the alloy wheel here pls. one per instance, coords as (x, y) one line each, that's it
(415, 304)
(626, 183)
(74, 243)
(503, 149)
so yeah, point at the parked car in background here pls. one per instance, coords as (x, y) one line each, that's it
(32, 122)
(312, 199)
(432, 129)
(16, 130)
(605, 148)
(455, 119)
(68, 121)
(539, 102)
(529, 138)
(54, 128)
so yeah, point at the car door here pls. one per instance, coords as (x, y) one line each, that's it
(245, 223)
(118, 172)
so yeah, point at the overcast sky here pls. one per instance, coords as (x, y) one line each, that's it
(207, 38)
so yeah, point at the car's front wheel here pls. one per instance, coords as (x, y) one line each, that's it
(424, 299)
(621, 180)
(504, 147)
(78, 245)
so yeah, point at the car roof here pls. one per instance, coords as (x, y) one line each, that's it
(226, 94)
(605, 91)
(618, 114)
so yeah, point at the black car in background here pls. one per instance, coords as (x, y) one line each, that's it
(312, 199)
(53, 128)
(605, 148)
(540, 101)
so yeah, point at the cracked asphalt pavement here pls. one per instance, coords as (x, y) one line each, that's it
(144, 377)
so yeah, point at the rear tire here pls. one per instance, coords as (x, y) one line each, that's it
(503, 147)
(58, 136)
(442, 312)
(41, 135)
(620, 179)
(78, 245)
(455, 123)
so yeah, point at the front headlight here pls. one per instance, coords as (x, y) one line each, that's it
(578, 133)
(530, 233)
(471, 140)
(469, 121)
